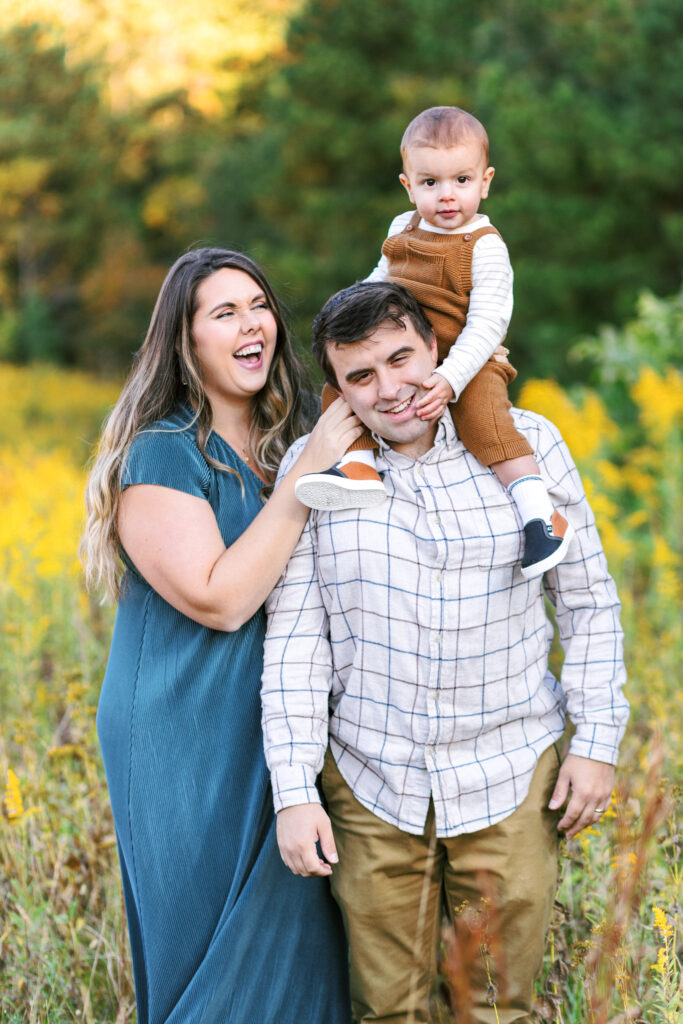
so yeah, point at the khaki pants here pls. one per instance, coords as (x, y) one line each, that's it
(393, 887)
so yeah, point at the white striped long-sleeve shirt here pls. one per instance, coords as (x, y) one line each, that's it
(490, 306)
(406, 637)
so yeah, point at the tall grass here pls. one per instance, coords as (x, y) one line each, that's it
(63, 950)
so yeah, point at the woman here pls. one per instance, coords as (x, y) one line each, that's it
(220, 930)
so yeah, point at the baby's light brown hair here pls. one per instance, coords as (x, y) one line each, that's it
(443, 127)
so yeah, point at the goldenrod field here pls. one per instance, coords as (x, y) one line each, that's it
(63, 949)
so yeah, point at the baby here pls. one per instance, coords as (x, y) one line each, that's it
(457, 266)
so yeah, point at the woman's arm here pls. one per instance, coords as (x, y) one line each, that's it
(174, 541)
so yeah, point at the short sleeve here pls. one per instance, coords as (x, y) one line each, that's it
(167, 457)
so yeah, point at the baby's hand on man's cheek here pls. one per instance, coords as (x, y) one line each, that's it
(440, 393)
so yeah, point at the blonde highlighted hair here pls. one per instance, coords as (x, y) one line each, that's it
(443, 127)
(166, 371)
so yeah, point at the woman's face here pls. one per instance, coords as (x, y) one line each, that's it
(234, 334)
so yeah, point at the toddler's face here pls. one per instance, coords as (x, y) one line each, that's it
(447, 185)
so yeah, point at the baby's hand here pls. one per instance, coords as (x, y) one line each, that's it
(440, 394)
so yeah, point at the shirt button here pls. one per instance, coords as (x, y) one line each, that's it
(437, 639)
(430, 750)
(468, 238)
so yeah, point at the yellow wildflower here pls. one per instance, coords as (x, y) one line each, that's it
(610, 474)
(13, 805)
(661, 965)
(661, 922)
(586, 429)
(636, 519)
(660, 401)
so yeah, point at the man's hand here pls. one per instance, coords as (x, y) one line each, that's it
(298, 830)
(440, 394)
(591, 785)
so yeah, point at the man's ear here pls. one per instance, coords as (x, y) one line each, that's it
(433, 348)
(406, 184)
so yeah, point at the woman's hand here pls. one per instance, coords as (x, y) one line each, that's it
(337, 428)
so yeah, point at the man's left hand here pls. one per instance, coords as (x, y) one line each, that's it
(591, 785)
(440, 394)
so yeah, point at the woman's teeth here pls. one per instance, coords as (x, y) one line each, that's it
(248, 351)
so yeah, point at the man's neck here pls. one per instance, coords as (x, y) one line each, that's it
(420, 446)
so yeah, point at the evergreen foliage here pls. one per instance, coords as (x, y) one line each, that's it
(298, 163)
(582, 103)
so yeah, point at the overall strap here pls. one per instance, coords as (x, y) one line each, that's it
(413, 223)
(478, 233)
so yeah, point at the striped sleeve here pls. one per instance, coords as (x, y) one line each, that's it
(395, 228)
(488, 315)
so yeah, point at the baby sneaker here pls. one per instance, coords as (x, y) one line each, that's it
(545, 544)
(347, 485)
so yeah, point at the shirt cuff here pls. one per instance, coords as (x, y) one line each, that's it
(294, 784)
(597, 741)
(444, 372)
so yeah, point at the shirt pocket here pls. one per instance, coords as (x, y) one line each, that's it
(485, 537)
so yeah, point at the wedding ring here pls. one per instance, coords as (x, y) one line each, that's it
(599, 810)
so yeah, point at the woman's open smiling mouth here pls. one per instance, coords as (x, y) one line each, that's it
(251, 355)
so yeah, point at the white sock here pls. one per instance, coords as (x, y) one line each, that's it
(531, 498)
(366, 455)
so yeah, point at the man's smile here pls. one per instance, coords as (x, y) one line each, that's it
(402, 410)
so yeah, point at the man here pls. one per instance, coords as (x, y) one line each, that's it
(405, 637)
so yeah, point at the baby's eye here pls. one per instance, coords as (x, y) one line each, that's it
(463, 179)
(429, 182)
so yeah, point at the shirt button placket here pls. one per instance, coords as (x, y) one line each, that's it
(433, 521)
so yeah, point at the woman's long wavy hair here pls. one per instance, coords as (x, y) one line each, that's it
(165, 371)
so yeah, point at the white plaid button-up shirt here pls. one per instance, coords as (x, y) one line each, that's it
(406, 637)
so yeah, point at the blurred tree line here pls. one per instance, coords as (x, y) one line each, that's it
(295, 160)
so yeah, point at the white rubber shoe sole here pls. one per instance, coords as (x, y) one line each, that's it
(328, 493)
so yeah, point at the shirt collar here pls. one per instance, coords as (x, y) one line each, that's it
(446, 440)
(481, 222)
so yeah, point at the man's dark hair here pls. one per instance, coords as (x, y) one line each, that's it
(355, 312)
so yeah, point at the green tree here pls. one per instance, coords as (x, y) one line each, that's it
(582, 101)
(94, 204)
(56, 154)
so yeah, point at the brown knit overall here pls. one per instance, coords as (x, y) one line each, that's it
(437, 269)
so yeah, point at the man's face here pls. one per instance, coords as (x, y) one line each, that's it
(381, 378)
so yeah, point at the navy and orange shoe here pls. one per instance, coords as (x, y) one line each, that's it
(353, 485)
(545, 545)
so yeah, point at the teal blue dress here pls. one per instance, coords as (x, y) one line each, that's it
(221, 931)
